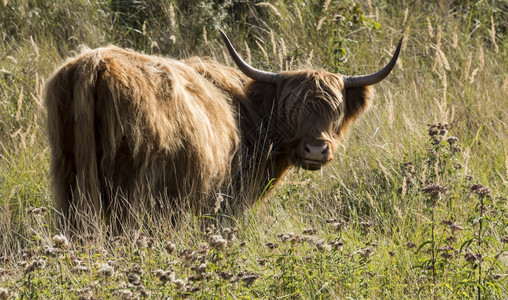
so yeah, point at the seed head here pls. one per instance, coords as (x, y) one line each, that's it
(50, 251)
(203, 249)
(124, 294)
(248, 278)
(226, 275)
(447, 222)
(210, 230)
(309, 231)
(446, 248)
(134, 278)
(230, 233)
(4, 293)
(480, 190)
(471, 257)
(262, 261)
(180, 284)
(144, 292)
(170, 247)
(365, 252)
(187, 254)
(437, 132)
(60, 241)
(336, 245)
(106, 270)
(339, 225)
(167, 276)
(85, 293)
(289, 237)
(271, 245)
(143, 241)
(434, 190)
(410, 244)
(321, 245)
(200, 268)
(451, 239)
(366, 225)
(37, 211)
(80, 269)
(452, 140)
(218, 242)
(36, 264)
(454, 227)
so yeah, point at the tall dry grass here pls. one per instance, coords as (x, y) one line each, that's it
(377, 232)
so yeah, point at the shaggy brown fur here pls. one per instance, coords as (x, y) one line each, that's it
(131, 134)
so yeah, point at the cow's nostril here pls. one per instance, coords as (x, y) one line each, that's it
(306, 148)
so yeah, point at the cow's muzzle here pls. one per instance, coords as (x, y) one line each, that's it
(314, 156)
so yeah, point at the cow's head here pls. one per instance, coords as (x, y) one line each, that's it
(313, 108)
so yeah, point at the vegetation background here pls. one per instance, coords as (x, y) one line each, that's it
(414, 205)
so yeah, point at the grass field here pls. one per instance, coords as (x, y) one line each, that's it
(413, 206)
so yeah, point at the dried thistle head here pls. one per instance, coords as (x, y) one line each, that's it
(85, 293)
(226, 275)
(167, 276)
(187, 255)
(123, 294)
(451, 239)
(434, 190)
(437, 132)
(210, 230)
(34, 265)
(365, 252)
(170, 247)
(473, 257)
(203, 249)
(36, 211)
(410, 244)
(180, 284)
(309, 231)
(455, 227)
(60, 241)
(230, 233)
(218, 242)
(289, 237)
(446, 222)
(248, 277)
(144, 241)
(366, 225)
(337, 245)
(452, 140)
(106, 270)
(321, 245)
(480, 190)
(271, 245)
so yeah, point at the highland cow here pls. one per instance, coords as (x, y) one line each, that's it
(132, 134)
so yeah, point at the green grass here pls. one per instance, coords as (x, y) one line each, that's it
(378, 229)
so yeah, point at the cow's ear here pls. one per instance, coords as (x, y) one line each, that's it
(357, 101)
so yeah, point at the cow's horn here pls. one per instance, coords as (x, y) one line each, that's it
(248, 70)
(365, 80)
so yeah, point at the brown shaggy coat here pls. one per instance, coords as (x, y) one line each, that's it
(131, 134)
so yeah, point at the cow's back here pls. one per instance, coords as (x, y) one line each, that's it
(127, 130)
